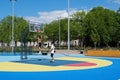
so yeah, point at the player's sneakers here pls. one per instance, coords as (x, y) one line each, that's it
(52, 61)
(40, 53)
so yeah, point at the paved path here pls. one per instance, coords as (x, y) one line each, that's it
(66, 51)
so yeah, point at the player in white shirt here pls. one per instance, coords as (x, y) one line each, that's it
(52, 51)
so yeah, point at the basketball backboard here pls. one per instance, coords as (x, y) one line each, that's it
(35, 27)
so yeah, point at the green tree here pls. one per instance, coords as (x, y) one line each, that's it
(79, 29)
(51, 31)
(103, 20)
(6, 27)
(116, 36)
(95, 37)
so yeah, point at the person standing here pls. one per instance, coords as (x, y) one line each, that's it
(39, 43)
(52, 51)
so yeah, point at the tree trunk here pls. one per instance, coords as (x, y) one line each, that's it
(82, 42)
(118, 44)
(95, 45)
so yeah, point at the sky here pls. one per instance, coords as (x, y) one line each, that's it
(45, 11)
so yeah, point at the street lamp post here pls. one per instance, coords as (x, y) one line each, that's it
(68, 26)
(12, 40)
(59, 31)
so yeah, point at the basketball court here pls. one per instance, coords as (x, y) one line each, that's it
(72, 67)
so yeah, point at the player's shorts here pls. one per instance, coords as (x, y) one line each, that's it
(39, 44)
(52, 54)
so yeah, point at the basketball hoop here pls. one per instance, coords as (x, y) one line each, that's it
(35, 27)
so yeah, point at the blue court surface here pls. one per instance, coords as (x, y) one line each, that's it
(110, 72)
(47, 62)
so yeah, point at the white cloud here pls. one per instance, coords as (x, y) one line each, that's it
(47, 17)
(115, 1)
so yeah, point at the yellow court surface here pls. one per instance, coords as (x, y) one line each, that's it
(72, 63)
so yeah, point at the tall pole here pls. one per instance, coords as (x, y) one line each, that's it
(44, 27)
(59, 31)
(12, 40)
(68, 26)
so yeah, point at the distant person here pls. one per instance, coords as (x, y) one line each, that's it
(39, 43)
(52, 51)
